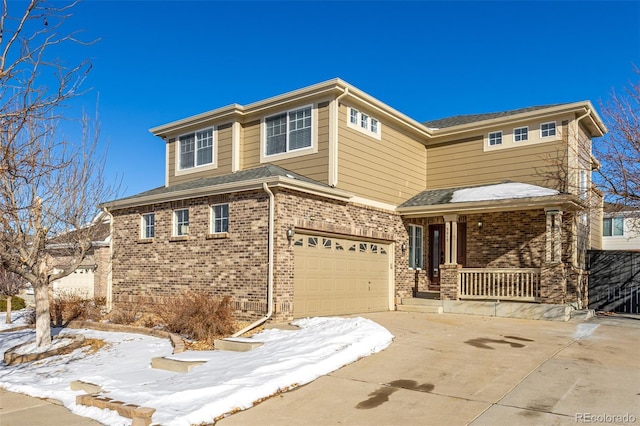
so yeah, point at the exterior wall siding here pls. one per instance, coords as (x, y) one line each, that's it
(370, 168)
(507, 240)
(463, 162)
(296, 210)
(146, 273)
(314, 166)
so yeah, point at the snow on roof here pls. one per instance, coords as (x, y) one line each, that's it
(501, 191)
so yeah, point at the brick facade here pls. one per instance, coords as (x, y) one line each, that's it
(146, 272)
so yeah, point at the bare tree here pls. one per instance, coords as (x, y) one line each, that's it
(11, 284)
(50, 184)
(619, 151)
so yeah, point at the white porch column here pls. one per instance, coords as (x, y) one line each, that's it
(553, 236)
(451, 239)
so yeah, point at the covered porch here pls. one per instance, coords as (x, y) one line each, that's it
(506, 242)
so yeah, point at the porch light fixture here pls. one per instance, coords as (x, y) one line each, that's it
(404, 247)
(290, 233)
(480, 224)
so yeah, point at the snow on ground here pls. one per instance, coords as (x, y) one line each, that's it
(502, 191)
(17, 318)
(226, 382)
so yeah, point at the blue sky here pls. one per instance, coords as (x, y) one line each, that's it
(159, 61)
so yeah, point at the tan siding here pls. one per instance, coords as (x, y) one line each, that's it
(314, 166)
(225, 135)
(250, 147)
(389, 170)
(223, 151)
(462, 163)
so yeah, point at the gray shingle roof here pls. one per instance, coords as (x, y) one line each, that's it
(262, 172)
(472, 118)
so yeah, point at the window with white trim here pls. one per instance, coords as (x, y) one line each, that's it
(548, 129)
(148, 225)
(495, 138)
(613, 227)
(415, 247)
(219, 218)
(363, 122)
(520, 134)
(288, 131)
(584, 184)
(196, 149)
(181, 222)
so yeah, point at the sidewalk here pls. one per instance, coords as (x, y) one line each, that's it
(22, 410)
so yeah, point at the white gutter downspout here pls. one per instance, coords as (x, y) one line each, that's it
(334, 110)
(109, 272)
(270, 271)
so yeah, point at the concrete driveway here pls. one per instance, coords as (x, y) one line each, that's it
(450, 370)
(458, 369)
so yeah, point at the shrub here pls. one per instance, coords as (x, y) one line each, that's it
(69, 306)
(17, 303)
(198, 316)
(125, 316)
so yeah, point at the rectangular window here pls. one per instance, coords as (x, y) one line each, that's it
(288, 131)
(495, 138)
(196, 149)
(548, 129)
(353, 116)
(584, 184)
(181, 222)
(374, 125)
(364, 121)
(148, 225)
(520, 134)
(219, 218)
(613, 227)
(415, 247)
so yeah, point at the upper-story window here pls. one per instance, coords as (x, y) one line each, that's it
(613, 227)
(495, 138)
(520, 134)
(364, 122)
(196, 149)
(288, 131)
(219, 218)
(148, 225)
(181, 222)
(548, 129)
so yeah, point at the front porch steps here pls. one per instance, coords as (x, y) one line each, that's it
(425, 306)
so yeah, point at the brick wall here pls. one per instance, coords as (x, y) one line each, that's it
(145, 272)
(312, 213)
(513, 239)
(101, 275)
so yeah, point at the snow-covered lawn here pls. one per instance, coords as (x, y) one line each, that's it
(228, 381)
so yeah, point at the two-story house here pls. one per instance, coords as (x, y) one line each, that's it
(327, 201)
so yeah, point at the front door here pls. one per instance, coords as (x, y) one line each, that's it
(436, 254)
(436, 251)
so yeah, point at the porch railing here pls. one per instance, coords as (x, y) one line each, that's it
(522, 284)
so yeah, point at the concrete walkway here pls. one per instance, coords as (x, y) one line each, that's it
(22, 410)
(450, 370)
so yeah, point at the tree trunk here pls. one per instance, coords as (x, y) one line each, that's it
(8, 310)
(43, 321)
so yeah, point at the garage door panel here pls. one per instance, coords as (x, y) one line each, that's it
(334, 276)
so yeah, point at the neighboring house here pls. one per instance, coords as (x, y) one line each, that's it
(327, 201)
(91, 277)
(620, 228)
